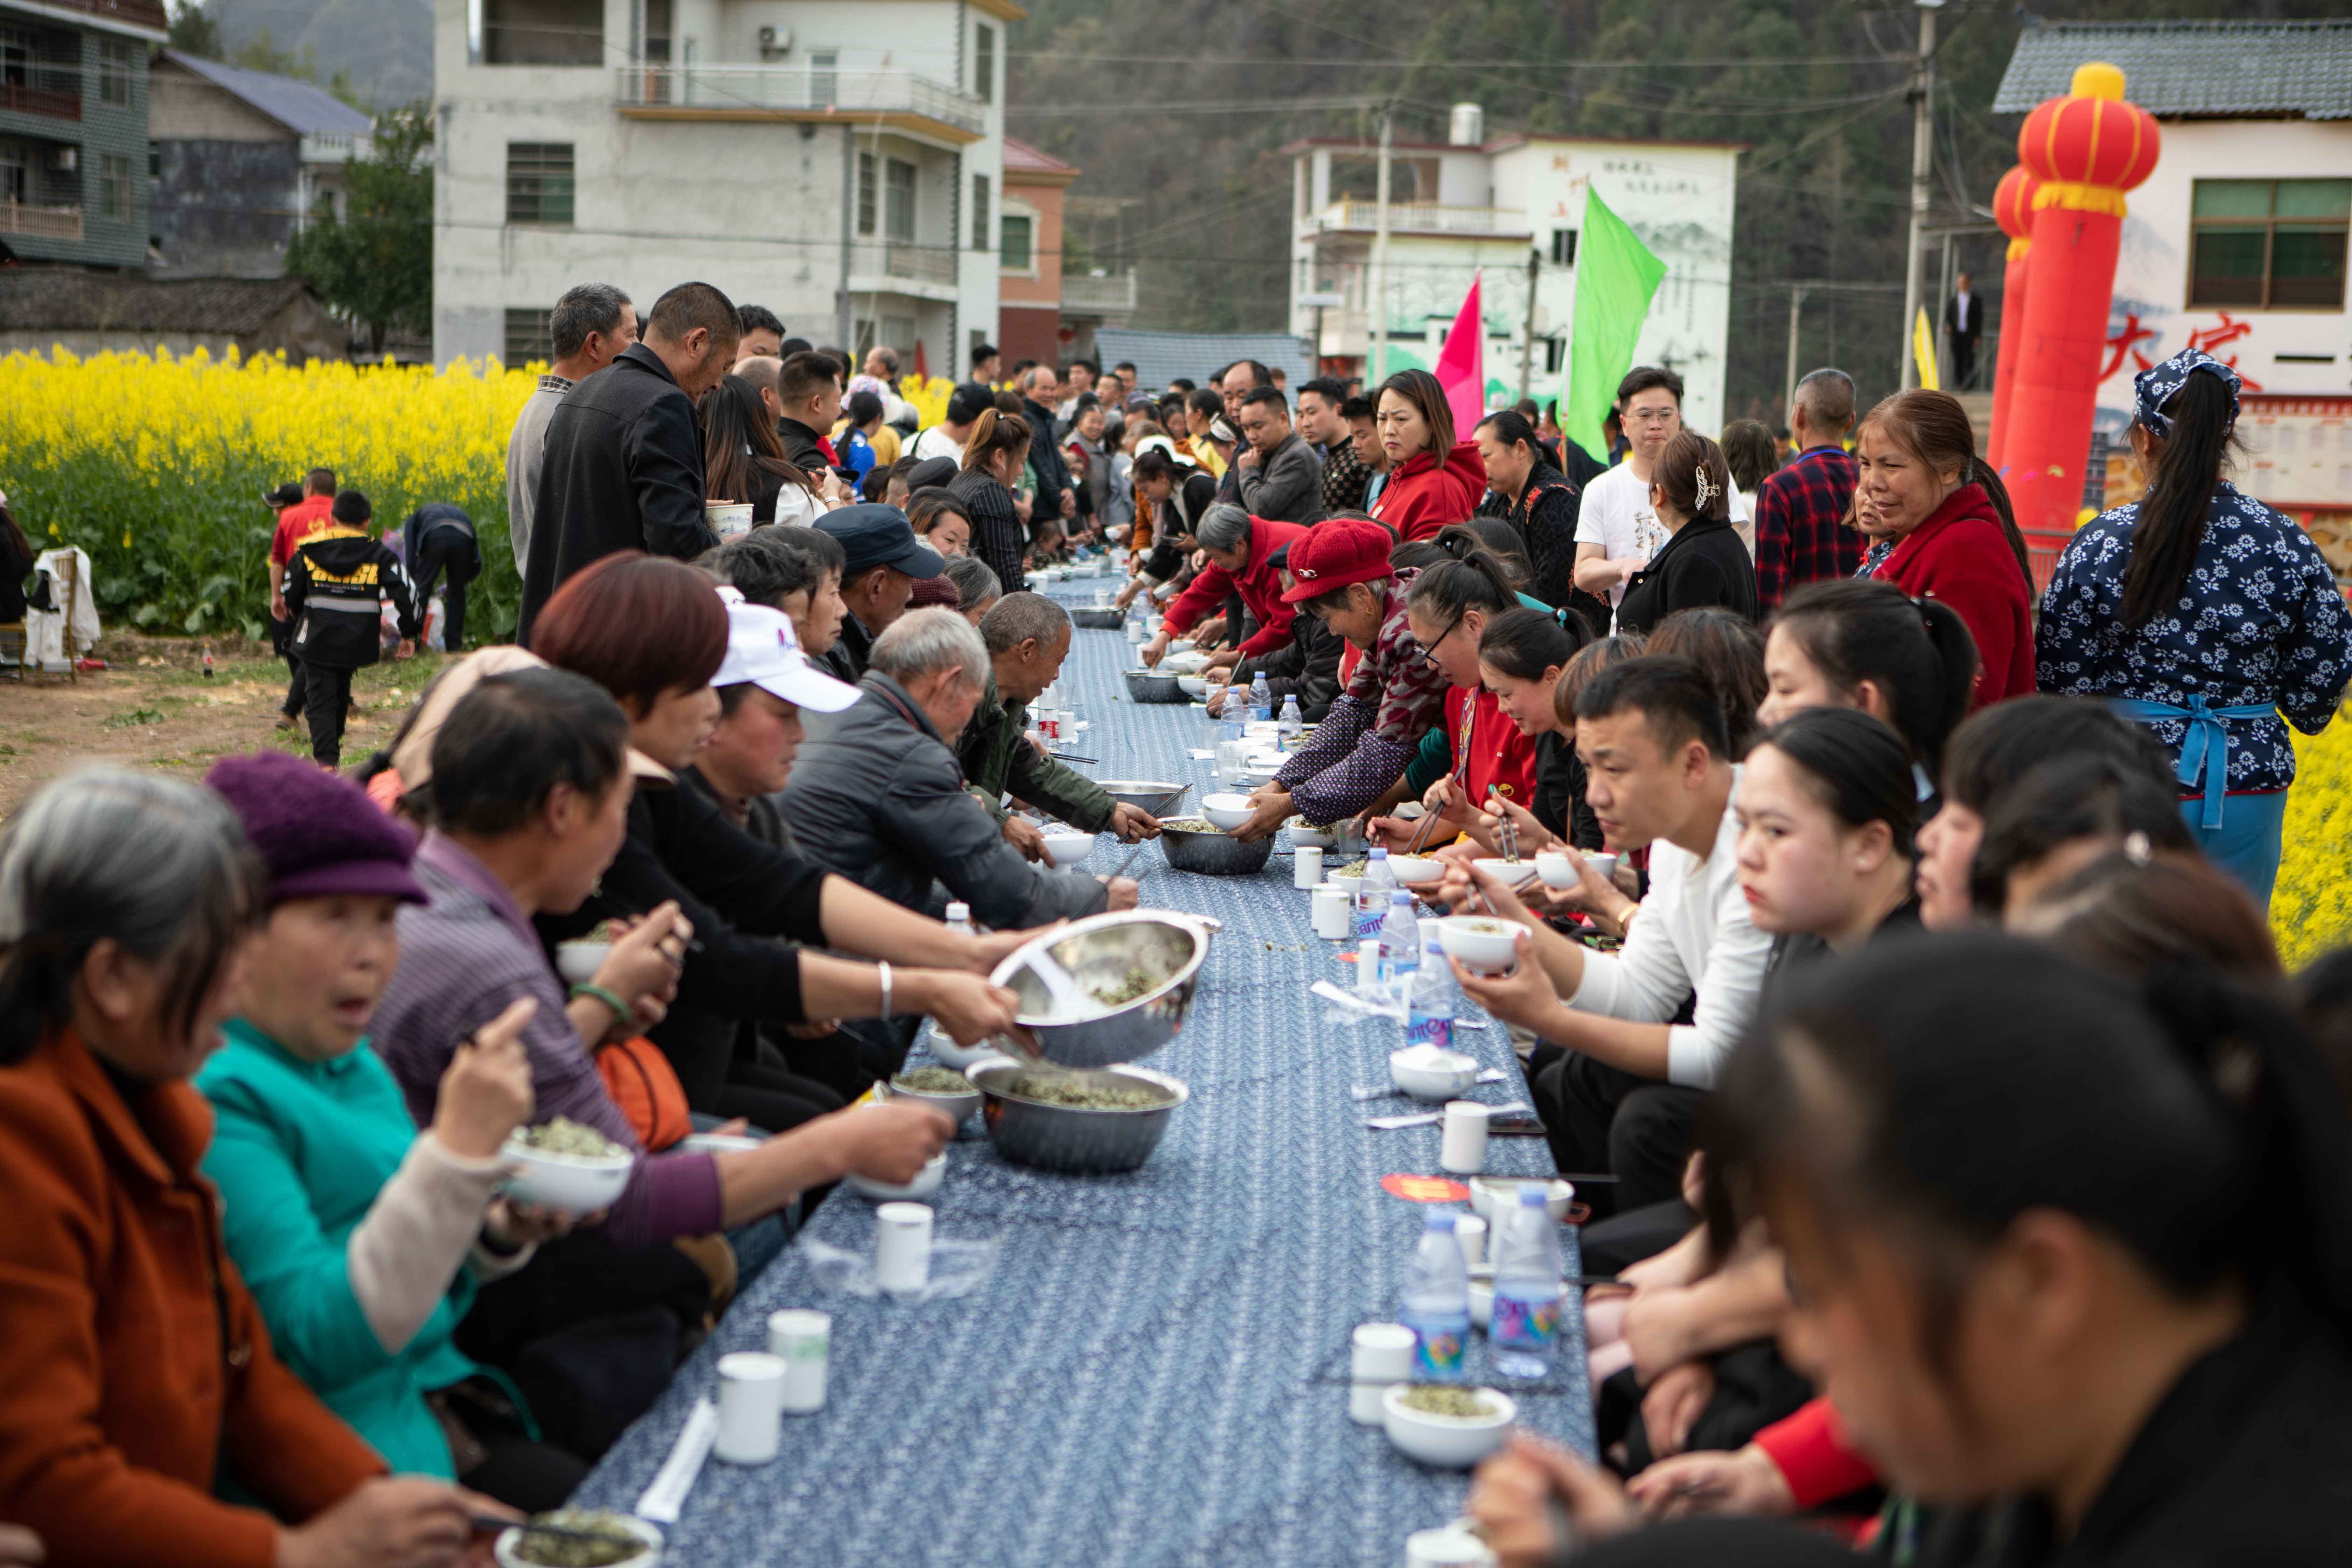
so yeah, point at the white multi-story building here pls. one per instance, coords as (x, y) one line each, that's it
(1511, 208)
(840, 163)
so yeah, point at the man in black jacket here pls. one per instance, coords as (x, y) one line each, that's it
(622, 468)
(808, 389)
(1055, 496)
(882, 561)
(440, 535)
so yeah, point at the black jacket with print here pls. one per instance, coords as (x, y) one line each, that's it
(336, 588)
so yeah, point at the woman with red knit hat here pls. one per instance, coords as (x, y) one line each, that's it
(1433, 480)
(1340, 574)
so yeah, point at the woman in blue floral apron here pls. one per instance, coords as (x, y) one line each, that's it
(2204, 615)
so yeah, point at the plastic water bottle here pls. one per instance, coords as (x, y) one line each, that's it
(1261, 700)
(1437, 1301)
(1525, 1329)
(1372, 895)
(1431, 1003)
(1287, 727)
(1400, 948)
(958, 919)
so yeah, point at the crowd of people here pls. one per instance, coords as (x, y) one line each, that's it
(1974, 1176)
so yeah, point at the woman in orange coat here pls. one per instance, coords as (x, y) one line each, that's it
(135, 1372)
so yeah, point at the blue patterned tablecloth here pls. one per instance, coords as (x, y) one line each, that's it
(1156, 1370)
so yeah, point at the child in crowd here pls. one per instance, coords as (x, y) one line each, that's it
(337, 583)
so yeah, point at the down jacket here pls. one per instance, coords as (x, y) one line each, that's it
(881, 800)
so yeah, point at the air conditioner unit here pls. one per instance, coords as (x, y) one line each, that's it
(774, 41)
(65, 160)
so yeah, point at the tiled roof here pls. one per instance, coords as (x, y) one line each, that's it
(1019, 156)
(64, 299)
(2184, 69)
(1160, 357)
(136, 13)
(299, 107)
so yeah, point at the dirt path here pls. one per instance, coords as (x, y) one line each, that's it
(152, 708)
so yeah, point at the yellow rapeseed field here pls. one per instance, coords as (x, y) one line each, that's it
(156, 466)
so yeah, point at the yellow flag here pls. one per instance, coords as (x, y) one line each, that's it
(1923, 349)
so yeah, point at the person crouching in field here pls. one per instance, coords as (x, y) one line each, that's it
(337, 584)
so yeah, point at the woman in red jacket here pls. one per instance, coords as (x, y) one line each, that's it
(1948, 515)
(1433, 479)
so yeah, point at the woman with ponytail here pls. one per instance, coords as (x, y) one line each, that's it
(1954, 538)
(1850, 643)
(994, 457)
(1702, 562)
(2203, 614)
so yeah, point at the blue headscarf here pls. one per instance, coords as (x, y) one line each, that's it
(2153, 388)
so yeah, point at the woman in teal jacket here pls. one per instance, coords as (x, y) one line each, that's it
(361, 1238)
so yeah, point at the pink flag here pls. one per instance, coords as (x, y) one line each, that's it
(1462, 364)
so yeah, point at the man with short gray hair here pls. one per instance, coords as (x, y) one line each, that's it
(1028, 635)
(592, 322)
(1800, 532)
(881, 800)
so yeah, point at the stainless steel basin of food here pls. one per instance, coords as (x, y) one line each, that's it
(1214, 853)
(1067, 1137)
(1154, 686)
(1155, 795)
(1097, 618)
(1100, 952)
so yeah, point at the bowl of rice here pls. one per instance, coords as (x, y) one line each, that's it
(1094, 1122)
(627, 1541)
(563, 1164)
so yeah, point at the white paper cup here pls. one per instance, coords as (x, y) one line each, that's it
(1448, 1546)
(1463, 1151)
(1307, 866)
(1382, 1354)
(802, 1340)
(751, 1407)
(902, 1246)
(1468, 1229)
(727, 519)
(1335, 915)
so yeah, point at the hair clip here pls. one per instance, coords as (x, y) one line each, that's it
(1706, 490)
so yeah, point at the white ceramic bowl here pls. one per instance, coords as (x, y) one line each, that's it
(1604, 863)
(1263, 729)
(576, 1184)
(1180, 644)
(1068, 849)
(955, 1107)
(1448, 1442)
(1481, 942)
(1510, 873)
(1411, 811)
(504, 1547)
(1192, 661)
(1413, 869)
(1303, 834)
(1225, 811)
(1557, 869)
(926, 1183)
(955, 1057)
(1347, 885)
(1427, 1072)
(1491, 1197)
(1194, 685)
(578, 961)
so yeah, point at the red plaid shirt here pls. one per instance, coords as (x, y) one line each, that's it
(1800, 532)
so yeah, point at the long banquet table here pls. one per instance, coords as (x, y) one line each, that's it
(1155, 1372)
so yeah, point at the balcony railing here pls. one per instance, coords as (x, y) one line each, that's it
(1423, 217)
(1105, 294)
(898, 258)
(798, 89)
(64, 104)
(335, 146)
(40, 223)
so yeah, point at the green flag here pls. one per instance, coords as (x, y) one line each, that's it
(1615, 278)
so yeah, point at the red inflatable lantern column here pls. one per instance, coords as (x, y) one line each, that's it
(2087, 149)
(2012, 208)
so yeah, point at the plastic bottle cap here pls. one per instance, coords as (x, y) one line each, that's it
(1380, 854)
(959, 912)
(1439, 1219)
(1401, 897)
(1531, 1198)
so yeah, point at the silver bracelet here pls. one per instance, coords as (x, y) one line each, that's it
(885, 967)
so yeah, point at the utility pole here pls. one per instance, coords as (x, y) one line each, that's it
(1527, 331)
(841, 302)
(1922, 147)
(1796, 314)
(1379, 312)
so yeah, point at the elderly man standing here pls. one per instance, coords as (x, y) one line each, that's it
(623, 465)
(590, 325)
(881, 799)
(1056, 497)
(884, 561)
(1280, 476)
(1028, 635)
